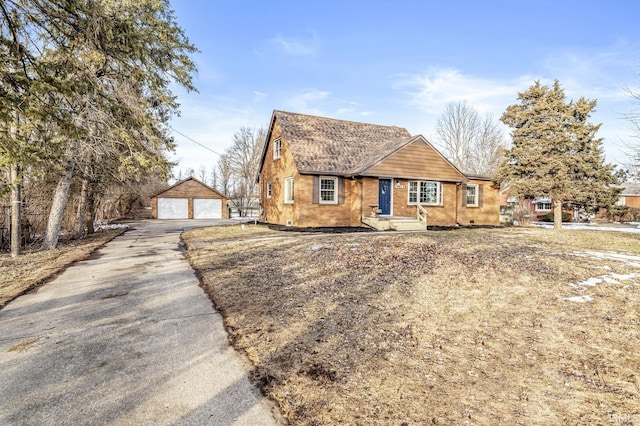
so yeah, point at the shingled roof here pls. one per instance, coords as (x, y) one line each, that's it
(322, 145)
(630, 189)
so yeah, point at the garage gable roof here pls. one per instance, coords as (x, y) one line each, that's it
(186, 180)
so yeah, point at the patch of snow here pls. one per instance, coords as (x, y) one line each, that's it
(593, 281)
(581, 226)
(624, 277)
(100, 225)
(611, 280)
(580, 299)
(316, 247)
(605, 267)
(627, 259)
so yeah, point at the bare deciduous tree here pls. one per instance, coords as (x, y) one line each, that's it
(224, 175)
(202, 174)
(474, 144)
(632, 149)
(243, 157)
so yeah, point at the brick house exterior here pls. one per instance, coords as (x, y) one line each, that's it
(319, 172)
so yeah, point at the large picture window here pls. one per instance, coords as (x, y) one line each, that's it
(328, 190)
(288, 190)
(542, 204)
(425, 192)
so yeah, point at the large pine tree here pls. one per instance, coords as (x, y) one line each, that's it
(555, 151)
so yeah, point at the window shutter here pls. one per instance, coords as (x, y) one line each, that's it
(340, 190)
(480, 195)
(316, 190)
(464, 194)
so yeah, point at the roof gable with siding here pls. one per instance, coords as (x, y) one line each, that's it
(418, 159)
(189, 187)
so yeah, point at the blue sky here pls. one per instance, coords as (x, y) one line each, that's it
(399, 62)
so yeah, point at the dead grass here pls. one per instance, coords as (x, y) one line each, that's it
(235, 232)
(23, 273)
(459, 327)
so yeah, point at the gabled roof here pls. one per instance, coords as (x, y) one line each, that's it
(185, 180)
(630, 189)
(321, 145)
(418, 139)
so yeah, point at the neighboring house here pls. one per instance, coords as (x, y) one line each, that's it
(630, 195)
(189, 199)
(627, 208)
(320, 172)
(527, 209)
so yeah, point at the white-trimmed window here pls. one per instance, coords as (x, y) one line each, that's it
(277, 148)
(621, 201)
(543, 204)
(425, 192)
(288, 190)
(472, 195)
(328, 190)
(268, 190)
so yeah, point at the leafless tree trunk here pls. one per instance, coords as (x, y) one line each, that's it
(16, 211)
(214, 177)
(224, 172)
(60, 197)
(91, 207)
(82, 207)
(202, 174)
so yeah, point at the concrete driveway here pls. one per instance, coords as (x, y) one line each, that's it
(126, 337)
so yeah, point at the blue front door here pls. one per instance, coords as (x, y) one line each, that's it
(384, 196)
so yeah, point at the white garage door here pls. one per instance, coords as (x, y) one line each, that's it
(207, 208)
(173, 208)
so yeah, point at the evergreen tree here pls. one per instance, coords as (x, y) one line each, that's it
(555, 152)
(86, 85)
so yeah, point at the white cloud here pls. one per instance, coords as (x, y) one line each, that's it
(307, 101)
(602, 75)
(258, 96)
(294, 47)
(437, 87)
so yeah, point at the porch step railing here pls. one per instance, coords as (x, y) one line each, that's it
(422, 215)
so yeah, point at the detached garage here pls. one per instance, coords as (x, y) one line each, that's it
(189, 199)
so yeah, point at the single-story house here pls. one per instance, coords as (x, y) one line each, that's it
(526, 209)
(324, 172)
(189, 199)
(630, 195)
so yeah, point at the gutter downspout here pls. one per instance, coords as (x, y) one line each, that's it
(458, 185)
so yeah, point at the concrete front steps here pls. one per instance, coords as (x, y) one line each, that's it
(394, 223)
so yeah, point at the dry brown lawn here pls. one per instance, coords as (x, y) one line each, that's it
(483, 327)
(23, 273)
